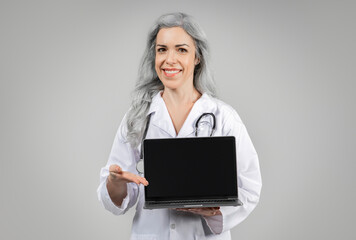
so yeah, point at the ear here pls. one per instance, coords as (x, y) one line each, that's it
(196, 61)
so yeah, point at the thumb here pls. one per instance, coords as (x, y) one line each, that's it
(118, 169)
(115, 168)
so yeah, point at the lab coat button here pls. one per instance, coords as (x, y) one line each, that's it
(173, 226)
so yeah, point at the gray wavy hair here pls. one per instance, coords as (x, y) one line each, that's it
(148, 84)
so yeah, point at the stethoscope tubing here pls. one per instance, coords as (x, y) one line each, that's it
(198, 121)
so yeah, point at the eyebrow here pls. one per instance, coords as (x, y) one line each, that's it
(178, 45)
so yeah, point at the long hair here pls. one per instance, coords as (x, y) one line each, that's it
(148, 84)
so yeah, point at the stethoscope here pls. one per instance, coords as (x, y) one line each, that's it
(203, 128)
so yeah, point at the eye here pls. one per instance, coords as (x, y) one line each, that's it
(182, 50)
(161, 49)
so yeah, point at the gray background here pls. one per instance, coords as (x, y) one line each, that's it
(67, 70)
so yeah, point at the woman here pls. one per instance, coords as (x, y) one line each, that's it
(174, 88)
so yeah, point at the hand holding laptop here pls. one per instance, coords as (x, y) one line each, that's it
(204, 211)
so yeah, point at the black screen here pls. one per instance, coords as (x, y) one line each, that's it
(190, 168)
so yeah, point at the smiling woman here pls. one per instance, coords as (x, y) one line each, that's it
(173, 89)
(175, 58)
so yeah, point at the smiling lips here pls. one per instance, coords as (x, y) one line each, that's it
(171, 72)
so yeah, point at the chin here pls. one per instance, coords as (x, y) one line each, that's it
(171, 84)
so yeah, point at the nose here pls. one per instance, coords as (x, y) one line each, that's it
(171, 57)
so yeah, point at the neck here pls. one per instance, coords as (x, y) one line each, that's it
(177, 98)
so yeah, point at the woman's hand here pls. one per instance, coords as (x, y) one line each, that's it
(205, 211)
(117, 176)
(116, 183)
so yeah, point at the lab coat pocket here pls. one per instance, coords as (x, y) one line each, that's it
(143, 237)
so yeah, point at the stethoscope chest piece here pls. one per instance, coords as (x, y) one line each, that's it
(140, 166)
(205, 125)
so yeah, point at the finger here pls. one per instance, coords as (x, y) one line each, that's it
(142, 180)
(182, 210)
(207, 211)
(134, 178)
(195, 209)
(130, 177)
(145, 180)
(216, 208)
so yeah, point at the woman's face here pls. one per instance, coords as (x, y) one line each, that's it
(175, 58)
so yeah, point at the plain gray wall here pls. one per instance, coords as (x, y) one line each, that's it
(67, 70)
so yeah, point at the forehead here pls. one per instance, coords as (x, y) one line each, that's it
(173, 36)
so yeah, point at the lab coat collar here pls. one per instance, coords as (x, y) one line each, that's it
(161, 118)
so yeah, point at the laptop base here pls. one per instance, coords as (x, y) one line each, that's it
(191, 204)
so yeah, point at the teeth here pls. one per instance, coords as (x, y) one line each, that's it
(171, 71)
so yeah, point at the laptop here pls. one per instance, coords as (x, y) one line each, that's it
(190, 172)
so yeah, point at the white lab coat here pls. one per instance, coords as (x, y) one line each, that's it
(163, 224)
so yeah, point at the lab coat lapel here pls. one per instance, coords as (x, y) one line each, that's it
(161, 118)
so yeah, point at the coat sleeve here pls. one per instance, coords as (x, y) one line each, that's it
(249, 179)
(124, 156)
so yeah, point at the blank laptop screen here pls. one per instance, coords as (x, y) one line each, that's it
(190, 168)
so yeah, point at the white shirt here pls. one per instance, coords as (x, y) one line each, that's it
(163, 224)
